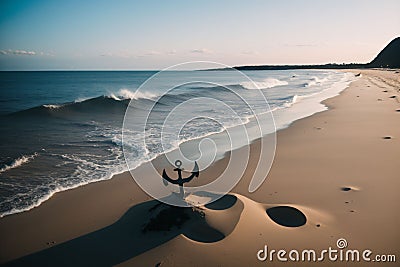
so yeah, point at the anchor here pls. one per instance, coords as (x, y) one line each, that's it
(180, 181)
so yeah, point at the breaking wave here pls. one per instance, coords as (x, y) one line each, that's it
(265, 84)
(18, 162)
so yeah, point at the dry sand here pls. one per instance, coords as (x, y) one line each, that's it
(335, 171)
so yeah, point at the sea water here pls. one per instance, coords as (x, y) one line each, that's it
(63, 129)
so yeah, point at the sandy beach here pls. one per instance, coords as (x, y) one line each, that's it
(335, 176)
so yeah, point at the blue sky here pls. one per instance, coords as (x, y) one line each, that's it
(156, 34)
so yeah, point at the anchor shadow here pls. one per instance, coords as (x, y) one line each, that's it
(128, 237)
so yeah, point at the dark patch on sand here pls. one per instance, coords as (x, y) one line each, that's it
(287, 216)
(345, 189)
(387, 137)
(223, 203)
(167, 218)
(190, 221)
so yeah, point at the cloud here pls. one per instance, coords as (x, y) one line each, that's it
(130, 54)
(148, 53)
(301, 45)
(304, 45)
(200, 51)
(119, 54)
(108, 54)
(18, 52)
(171, 52)
(249, 52)
(152, 53)
(23, 53)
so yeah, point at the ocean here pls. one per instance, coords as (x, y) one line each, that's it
(63, 129)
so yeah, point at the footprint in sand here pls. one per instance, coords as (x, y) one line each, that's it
(287, 216)
(393, 96)
(387, 137)
(349, 188)
(398, 110)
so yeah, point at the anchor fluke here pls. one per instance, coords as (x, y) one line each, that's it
(195, 173)
(180, 181)
(164, 174)
(167, 179)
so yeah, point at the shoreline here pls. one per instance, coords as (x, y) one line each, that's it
(315, 100)
(97, 205)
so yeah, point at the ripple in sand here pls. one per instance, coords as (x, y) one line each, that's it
(287, 216)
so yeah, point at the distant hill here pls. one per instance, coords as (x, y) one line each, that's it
(389, 57)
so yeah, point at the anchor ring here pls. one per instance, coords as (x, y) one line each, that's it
(178, 163)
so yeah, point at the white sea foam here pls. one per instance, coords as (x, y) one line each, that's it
(115, 97)
(50, 106)
(55, 190)
(127, 94)
(81, 99)
(265, 84)
(316, 81)
(293, 100)
(18, 162)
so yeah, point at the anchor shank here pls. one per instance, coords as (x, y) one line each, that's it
(180, 182)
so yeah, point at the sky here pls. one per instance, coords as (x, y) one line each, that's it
(153, 35)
